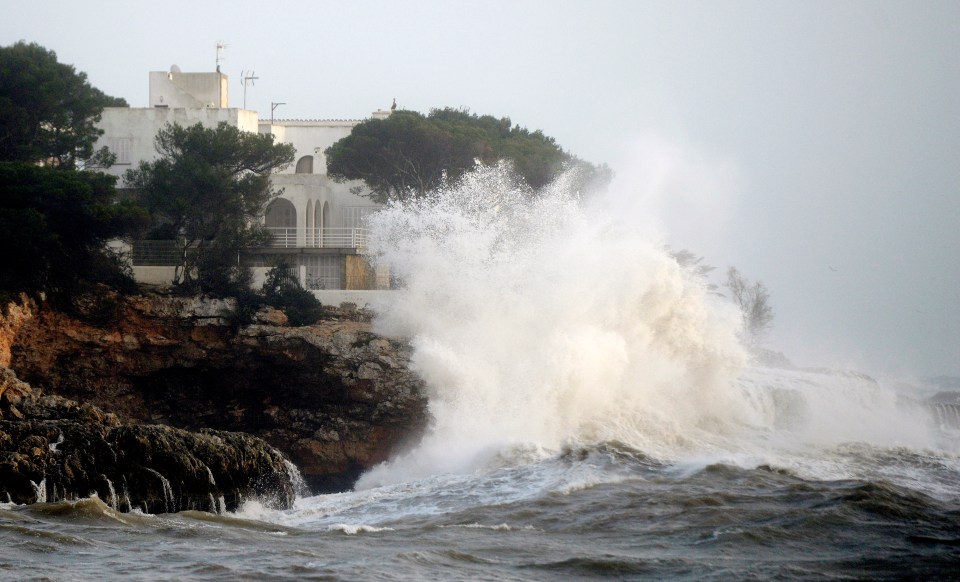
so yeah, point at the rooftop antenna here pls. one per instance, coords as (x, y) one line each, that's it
(272, 107)
(247, 79)
(220, 47)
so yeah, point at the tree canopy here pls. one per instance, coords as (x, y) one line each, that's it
(694, 264)
(54, 226)
(207, 191)
(55, 221)
(48, 110)
(754, 303)
(409, 154)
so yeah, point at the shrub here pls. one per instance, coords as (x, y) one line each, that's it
(283, 291)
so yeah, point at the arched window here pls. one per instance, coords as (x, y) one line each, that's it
(281, 222)
(320, 218)
(281, 213)
(305, 165)
(311, 224)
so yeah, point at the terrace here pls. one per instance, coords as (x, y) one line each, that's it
(321, 238)
(320, 258)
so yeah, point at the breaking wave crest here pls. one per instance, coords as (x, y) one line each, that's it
(539, 319)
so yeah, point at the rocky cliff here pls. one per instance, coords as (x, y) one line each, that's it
(52, 448)
(334, 397)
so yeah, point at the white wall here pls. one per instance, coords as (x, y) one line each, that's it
(309, 138)
(191, 90)
(130, 132)
(162, 276)
(375, 300)
(307, 191)
(311, 191)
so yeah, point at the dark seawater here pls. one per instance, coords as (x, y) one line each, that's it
(601, 511)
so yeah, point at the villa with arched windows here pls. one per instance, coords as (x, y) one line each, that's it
(316, 224)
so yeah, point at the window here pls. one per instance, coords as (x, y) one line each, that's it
(305, 165)
(281, 213)
(121, 147)
(354, 216)
(323, 271)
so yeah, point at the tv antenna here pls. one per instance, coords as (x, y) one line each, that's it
(247, 79)
(220, 48)
(273, 107)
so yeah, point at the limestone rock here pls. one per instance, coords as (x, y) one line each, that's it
(14, 315)
(271, 316)
(334, 397)
(52, 448)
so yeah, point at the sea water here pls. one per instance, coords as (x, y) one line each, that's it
(594, 414)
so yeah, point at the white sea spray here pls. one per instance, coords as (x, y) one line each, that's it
(538, 319)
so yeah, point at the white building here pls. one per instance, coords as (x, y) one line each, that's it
(317, 224)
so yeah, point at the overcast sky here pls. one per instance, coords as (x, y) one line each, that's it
(814, 145)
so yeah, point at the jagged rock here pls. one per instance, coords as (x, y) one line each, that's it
(52, 448)
(12, 389)
(271, 316)
(12, 318)
(334, 397)
(189, 310)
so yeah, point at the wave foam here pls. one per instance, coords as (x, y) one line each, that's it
(352, 530)
(536, 319)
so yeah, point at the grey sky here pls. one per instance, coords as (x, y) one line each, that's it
(826, 135)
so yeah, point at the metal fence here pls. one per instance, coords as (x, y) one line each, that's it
(156, 253)
(289, 276)
(282, 237)
(342, 238)
(319, 271)
(148, 252)
(323, 271)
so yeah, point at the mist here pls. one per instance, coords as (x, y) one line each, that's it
(813, 145)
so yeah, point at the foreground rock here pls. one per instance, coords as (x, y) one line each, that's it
(52, 449)
(334, 397)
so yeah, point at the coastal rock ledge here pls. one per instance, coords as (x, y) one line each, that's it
(53, 449)
(334, 397)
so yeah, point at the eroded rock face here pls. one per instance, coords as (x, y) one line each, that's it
(334, 397)
(52, 448)
(14, 315)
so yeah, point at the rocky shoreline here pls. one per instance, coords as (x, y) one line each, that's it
(53, 449)
(176, 379)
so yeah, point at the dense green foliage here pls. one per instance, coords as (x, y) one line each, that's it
(54, 226)
(207, 190)
(408, 154)
(55, 221)
(48, 110)
(283, 291)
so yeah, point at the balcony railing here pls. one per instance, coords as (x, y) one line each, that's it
(282, 237)
(349, 238)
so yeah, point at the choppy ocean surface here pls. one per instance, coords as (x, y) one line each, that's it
(781, 501)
